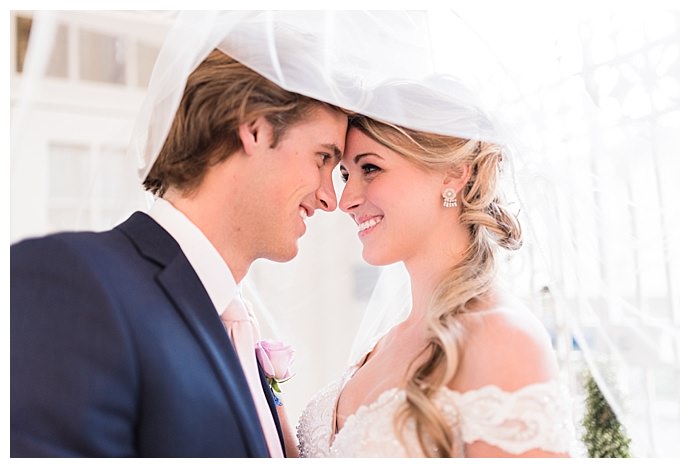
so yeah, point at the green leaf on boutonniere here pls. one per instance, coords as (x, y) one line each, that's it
(275, 386)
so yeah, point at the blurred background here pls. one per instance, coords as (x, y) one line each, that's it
(600, 266)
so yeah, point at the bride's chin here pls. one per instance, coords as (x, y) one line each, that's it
(376, 260)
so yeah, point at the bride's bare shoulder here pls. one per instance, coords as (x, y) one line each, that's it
(507, 347)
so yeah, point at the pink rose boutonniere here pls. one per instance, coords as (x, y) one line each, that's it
(276, 359)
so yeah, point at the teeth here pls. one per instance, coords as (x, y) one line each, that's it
(303, 213)
(369, 223)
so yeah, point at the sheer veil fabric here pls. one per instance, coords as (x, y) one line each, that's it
(542, 88)
(378, 63)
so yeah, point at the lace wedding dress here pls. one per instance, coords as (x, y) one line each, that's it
(536, 416)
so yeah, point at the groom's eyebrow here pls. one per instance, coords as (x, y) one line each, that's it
(337, 152)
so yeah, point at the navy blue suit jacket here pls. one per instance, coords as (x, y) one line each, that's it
(117, 350)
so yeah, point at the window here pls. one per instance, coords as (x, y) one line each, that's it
(58, 64)
(90, 186)
(101, 57)
(90, 55)
(68, 181)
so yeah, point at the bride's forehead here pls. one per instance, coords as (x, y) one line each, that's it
(358, 142)
(355, 135)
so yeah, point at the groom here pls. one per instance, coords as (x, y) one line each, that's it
(117, 343)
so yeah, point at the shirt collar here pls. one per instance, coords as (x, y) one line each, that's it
(208, 264)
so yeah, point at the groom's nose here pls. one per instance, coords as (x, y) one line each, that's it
(325, 194)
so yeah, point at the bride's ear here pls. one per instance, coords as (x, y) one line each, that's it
(457, 178)
(255, 135)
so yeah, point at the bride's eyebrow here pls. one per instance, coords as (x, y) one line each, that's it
(361, 155)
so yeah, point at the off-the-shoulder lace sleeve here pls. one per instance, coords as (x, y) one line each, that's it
(537, 416)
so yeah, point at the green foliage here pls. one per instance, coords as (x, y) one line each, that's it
(604, 436)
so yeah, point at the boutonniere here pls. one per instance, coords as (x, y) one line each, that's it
(276, 359)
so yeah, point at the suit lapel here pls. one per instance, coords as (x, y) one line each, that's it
(185, 290)
(268, 393)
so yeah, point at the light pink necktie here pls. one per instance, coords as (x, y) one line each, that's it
(244, 334)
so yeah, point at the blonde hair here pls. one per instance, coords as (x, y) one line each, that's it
(490, 225)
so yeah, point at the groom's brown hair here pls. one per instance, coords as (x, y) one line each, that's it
(220, 95)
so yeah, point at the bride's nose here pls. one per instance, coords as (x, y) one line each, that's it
(352, 196)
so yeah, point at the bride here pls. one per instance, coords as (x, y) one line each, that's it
(470, 372)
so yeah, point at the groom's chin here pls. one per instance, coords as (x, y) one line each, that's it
(283, 255)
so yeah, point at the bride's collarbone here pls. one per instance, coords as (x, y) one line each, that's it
(386, 369)
(372, 379)
(362, 392)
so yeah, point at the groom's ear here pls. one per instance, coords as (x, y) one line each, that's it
(255, 135)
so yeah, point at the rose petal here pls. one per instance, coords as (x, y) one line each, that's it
(264, 358)
(281, 356)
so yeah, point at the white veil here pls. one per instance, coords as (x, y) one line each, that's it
(586, 102)
(319, 54)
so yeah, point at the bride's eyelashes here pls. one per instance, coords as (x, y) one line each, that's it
(367, 169)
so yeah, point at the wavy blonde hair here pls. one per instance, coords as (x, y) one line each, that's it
(490, 226)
